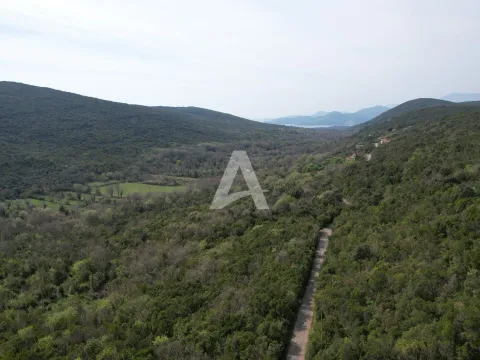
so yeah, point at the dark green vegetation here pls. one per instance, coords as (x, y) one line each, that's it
(52, 139)
(411, 105)
(109, 271)
(161, 278)
(166, 279)
(92, 272)
(401, 278)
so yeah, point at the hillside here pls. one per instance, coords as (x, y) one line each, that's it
(333, 118)
(63, 113)
(401, 274)
(54, 137)
(409, 106)
(114, 272)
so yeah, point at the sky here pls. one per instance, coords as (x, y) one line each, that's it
(252, 58)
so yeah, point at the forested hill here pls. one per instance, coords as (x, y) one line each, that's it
(48, 135)
(63, 116)
(411, 105)
(401, 278)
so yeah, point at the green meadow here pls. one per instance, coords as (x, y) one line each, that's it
(140, 188)
(41, 203)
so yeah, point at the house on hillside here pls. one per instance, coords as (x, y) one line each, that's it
(375, 144)
(352, 157)
(384, 140)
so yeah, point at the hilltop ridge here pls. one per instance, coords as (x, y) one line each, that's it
(51, 135)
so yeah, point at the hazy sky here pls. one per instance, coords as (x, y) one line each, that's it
(252, 58)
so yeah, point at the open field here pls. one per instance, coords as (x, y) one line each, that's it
(41, 203)
(140, 188)
(68, 198)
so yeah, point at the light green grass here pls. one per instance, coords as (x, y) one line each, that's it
(39, 203)
(132, 188)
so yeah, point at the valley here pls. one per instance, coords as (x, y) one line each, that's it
(239, 180)
(109, 249)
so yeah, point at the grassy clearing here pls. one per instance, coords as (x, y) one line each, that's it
(69, 201)
(141, 188)
(41, 203)
(50, 203)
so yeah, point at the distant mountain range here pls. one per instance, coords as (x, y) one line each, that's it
(337, 118)
(333, 118)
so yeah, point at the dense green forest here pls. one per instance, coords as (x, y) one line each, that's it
(89, 272)
(160, 277)
(168, 279)
(52, 139)
(401, 278)
(412, 105)
(108, 248)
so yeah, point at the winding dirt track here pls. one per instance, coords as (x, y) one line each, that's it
(298, 345)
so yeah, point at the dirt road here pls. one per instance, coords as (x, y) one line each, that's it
(298, 344)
